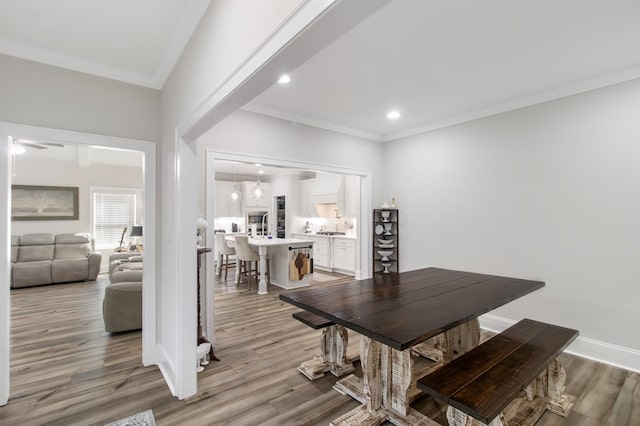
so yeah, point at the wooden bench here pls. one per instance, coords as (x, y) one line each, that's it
(487, 383)
(334, 357)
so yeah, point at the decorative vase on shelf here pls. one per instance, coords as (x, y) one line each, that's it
(385, 205)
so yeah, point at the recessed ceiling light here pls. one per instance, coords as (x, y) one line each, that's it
(258, 165)
(393, 115)
(284, 79)
(261, 172)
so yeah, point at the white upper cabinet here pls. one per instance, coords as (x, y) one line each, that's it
(306, 206)
(250, 202)
(224, 205)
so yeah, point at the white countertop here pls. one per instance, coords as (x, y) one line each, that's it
(277, 241)
(313, 234)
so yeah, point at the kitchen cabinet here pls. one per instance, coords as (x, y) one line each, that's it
(306, 206)
(321, 253)
(224, 206)
(332, 253)
(385, 241)
(250, 202)
(321, 250)
(344, 255)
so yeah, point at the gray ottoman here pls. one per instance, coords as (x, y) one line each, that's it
(122, 306)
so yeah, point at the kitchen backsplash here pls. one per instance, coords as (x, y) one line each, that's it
(346, 225)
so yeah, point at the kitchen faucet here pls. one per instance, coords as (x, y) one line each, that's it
(263, 228)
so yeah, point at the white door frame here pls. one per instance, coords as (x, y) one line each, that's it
(363, 224)
(148, 148)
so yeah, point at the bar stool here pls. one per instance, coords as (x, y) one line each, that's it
(246, 256)
(225, 251)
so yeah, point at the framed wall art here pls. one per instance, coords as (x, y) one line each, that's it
(31, 202)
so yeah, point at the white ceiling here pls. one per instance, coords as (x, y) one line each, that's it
(133, 41)
(437, 62)
(227, 170)
(85, 155)
(442, 62)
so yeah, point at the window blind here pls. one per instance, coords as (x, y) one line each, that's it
(112, 212)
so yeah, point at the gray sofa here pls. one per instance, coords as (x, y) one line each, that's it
(39, 259)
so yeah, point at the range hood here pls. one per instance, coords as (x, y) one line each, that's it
(327, 194)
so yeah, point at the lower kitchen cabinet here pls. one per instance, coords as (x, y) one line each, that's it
(344, 255)
(321, 253)
(333, 254)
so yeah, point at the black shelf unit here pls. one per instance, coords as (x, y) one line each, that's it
(385, 241)
(281, 216)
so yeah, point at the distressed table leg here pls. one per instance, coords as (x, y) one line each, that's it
(386, 387)
(458, 340)
(333, 358)
(371, 412)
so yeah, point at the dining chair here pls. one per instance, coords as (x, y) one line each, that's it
(224, 251)
(247, 257)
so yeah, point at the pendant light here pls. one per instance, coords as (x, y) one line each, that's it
(235, 194)
(257, 192)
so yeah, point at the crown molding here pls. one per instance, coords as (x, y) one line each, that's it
(309, 121)
(525, 101)
(48, 57)
(155, 80)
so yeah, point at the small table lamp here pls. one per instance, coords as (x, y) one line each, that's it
(136, 231)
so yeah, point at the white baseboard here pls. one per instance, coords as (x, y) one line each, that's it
(607, 353)
(167, 368)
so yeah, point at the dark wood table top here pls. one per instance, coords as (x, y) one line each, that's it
(406, 308)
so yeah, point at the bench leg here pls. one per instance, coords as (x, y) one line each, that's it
(559, 403)
(459, 418)
(333, 358)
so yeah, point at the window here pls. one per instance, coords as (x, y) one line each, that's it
(113, 209)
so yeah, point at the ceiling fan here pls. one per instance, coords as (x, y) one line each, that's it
(37, 145)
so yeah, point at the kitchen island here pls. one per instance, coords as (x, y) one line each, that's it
(281, 256)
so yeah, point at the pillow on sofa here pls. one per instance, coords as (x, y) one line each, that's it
(71, 246)
(37, 239)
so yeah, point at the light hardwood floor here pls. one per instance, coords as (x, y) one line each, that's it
(65, 370)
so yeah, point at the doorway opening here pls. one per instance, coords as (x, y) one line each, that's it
(147, 156)
(221, 163)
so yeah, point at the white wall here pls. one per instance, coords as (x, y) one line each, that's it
(272, 138)
(51, 172)
(46, 96)
(229, 33)
(548, 192)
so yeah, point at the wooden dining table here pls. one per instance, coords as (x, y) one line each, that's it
(394, 313)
